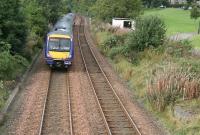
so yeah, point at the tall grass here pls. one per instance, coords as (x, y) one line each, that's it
(3, 94)
(169, 84)
(195, 41)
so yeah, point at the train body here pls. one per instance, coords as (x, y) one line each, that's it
(59, 47)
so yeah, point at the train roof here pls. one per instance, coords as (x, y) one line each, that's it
(66, 22)
(61, 32)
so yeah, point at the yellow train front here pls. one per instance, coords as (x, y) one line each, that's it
(59, 48)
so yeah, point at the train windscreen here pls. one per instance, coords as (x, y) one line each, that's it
(59, 44)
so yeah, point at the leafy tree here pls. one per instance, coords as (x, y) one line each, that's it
(155, 3)
(189, 2)
(35, 19)
(107, 9)
(82, 6)
(54, 9)
(195, 13)
(12, 24)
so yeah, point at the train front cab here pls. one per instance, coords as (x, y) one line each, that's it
(59, 50)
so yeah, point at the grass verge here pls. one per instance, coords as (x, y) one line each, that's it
(195, 41)
(176, 20)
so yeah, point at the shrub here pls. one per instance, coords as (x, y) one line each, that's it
(150, 32)
(116, 51)
(110, 42)
(10, 65)
(179, 49)
(4, 46)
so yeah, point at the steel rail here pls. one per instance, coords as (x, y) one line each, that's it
(91, 84)
(70, 108)
(113, 90)
(45, 104)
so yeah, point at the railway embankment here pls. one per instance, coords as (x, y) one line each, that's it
(25, 110)
(18, 85)
(159, 78)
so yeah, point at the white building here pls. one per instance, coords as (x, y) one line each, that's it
(123, 23)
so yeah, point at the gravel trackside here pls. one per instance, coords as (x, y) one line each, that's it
(25, 113)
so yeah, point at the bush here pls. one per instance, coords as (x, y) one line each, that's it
(178, 49)
(150, 32)
(10, 65)
(116, 51)
(111, 42)
(4, 46)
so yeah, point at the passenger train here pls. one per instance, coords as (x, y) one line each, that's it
(59, 47)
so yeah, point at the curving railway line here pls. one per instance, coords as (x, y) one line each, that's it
(116, 118)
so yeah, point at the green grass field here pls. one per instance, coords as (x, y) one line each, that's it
(176, 20)
(195, 41)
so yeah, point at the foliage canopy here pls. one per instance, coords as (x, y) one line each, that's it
(107, 9)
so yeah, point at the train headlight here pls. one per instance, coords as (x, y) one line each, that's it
(70, 56)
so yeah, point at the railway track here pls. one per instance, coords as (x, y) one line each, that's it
(116, 117)
(57, 117)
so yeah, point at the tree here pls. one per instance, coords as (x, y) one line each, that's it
(107, 9)
(54, 9)
(82, 6)
(189, 2)
(155, 3)
(35, 19)
(12, 24)
(195, 13)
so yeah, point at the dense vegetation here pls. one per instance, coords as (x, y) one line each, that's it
(105, 10)
(161, 73)
(121, 8)
(155, 3)
(23, 25)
